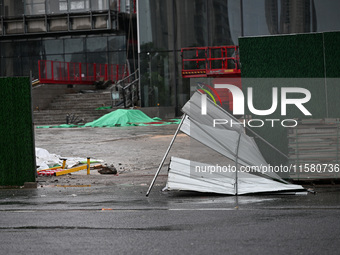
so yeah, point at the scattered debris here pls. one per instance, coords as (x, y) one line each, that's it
(73, 119)
(311, 191)
(54, 165)
(98, 166)
(46, 160)
(49, 172)
(61, 170)
(105, 169)
(101, 84)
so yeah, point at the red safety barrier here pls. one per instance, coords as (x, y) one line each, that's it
(49, 172)
(218, 61)
(58, 72)
(221, 63)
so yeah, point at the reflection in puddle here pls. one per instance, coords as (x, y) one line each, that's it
(222, 200)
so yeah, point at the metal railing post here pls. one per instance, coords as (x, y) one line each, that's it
(117, 72)
(87, 72)
(80, 72)
(105, 72)
(52, 71)
(74, 71)
(60, 73)
(88, 165)
(94, 72)
(45, 66)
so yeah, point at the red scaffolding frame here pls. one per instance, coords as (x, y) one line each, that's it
(217, 61)
(58, 72)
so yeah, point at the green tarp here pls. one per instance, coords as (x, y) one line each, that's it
(104, 108)
(122, 118)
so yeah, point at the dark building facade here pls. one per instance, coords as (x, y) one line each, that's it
(87, 31)
(167, 26)
(104, 31)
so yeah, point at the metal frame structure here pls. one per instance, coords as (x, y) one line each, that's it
(23, 22)
(127, 90)
(217, 61)
(165, 155)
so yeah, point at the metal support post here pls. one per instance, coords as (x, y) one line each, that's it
(165, 155)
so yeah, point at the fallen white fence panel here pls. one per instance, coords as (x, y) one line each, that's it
(183, 176)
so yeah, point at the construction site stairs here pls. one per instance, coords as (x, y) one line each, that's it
(79, 106)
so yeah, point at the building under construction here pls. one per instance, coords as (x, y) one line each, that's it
(82, 41)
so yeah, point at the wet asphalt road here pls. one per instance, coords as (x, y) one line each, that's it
(119, 219)
(82, 214)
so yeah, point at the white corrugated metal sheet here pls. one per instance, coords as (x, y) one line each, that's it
(230, 141)
(183, 176)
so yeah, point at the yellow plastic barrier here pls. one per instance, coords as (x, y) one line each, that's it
(75, 169)
(71, 170)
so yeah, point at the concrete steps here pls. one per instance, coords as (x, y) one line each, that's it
(82, 105)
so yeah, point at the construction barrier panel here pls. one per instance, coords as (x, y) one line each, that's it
(309, 61)
(17, 149)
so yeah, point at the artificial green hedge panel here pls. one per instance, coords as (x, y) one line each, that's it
(332, 59)
(332, 54)
(288, 56)
(313, 57)
(17, 155)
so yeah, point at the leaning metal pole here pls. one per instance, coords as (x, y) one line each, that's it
(165, 155)
(236, 164)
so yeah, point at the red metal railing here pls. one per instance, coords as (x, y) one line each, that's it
(219, 61)
(79, 73)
